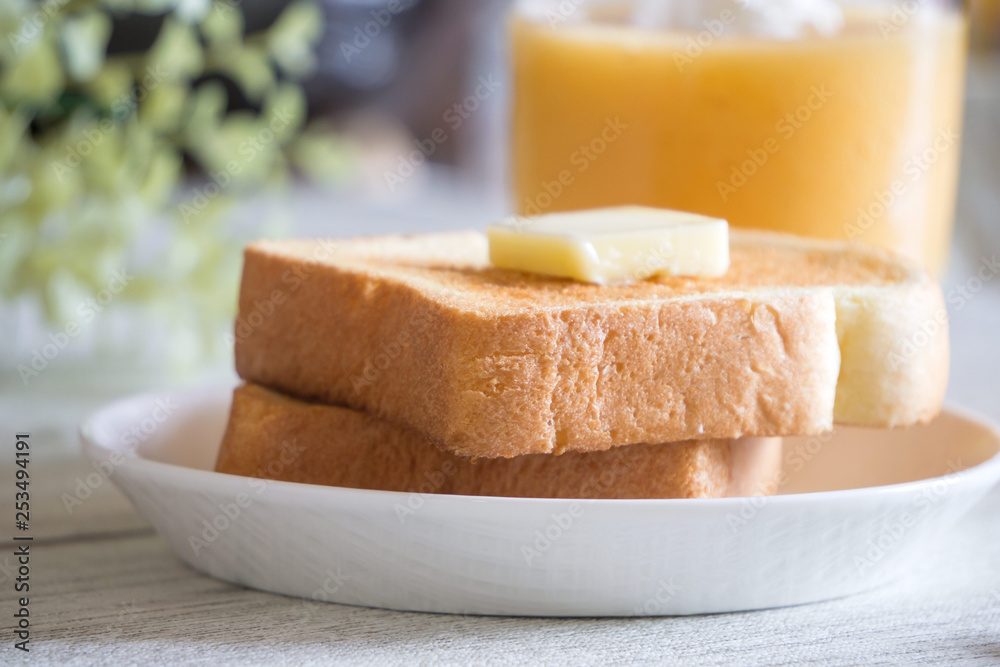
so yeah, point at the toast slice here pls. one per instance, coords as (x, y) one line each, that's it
(276, 437)
(423, 332)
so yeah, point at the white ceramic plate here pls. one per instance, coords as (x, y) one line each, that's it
(855, 509)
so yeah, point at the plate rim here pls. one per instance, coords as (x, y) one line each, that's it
(95, 451)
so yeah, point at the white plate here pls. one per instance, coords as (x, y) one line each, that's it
(862, 504)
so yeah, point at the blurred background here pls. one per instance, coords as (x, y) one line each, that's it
(142, 143)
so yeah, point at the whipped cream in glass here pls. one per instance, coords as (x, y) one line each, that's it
(778, 19)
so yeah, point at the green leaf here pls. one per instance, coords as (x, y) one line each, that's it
(162, 176)
(207, 107)
(285, 111)
(16, 243)
(163, 107)
(294, 35)
(223, 27)
(13, 126)
(119, 6)
(56, 181)
(104, 156)
(21, 26)
(248, 67)
(84, 39)
(323, 156)
(241, 140)
(63, 293)
(92, 183)
(36, 78)
(176, 52)
(111, 86)
(153, 7)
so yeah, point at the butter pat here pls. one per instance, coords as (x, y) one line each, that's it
(613, 245)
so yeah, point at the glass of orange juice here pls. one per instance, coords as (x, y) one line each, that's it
(816, 117)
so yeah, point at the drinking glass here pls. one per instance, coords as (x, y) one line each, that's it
(814, 117)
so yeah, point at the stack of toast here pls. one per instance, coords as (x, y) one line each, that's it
(410, 363)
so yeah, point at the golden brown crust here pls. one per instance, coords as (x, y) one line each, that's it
(277, 437)
(491, 363)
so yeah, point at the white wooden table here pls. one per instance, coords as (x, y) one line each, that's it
(106, 589)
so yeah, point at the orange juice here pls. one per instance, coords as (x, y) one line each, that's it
(851, 136)
(985, 23)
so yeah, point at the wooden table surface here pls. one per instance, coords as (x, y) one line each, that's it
(106, 588)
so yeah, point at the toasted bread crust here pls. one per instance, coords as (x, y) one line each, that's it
(422, 332)
(276, 437)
